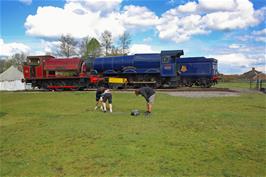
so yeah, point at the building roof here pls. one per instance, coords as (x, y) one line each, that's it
(11, 74)
(260, 76)
(250, 74)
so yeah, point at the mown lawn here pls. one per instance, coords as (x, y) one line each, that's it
(59, 133)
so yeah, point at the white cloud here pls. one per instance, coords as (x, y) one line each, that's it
(234, 46)
(50, 47)
(137, 16)
(259, 36)
(261, 13)
(103, 6)
(188, 7)
(81, 18)
(236, 63)
(53, 22)
(260, 39)
(88, 18)
(261, 68)
(261, 32)
(234, 59)
(235, 14)
(8, 49)
(27, 2)
(147, 39)
(181, 23)
(180, 29)
(141, 48)
(212, 5)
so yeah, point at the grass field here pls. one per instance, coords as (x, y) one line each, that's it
(238, 85)
(59, 133)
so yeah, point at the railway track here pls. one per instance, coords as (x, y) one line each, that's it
(181, 89)
(188, 89)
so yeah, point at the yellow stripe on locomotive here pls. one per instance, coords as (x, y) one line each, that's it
(117, 80)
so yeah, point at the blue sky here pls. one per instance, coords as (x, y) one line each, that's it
(232, 31)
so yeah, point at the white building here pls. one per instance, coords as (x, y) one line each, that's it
(11, 79)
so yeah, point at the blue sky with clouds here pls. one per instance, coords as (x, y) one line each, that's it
(232, 31)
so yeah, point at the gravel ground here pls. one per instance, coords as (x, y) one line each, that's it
(200, 94)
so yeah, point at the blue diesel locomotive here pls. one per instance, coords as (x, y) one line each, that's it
(159, 70)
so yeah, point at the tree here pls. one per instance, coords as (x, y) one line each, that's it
(90, 47)
(67, 46)
(18, 59)
(115, 51)
(124, 43)
(83, 47)
(2, 65)
(94, 48)
(106, 40)
(15, 60)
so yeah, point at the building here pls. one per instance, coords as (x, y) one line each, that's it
(11, 79)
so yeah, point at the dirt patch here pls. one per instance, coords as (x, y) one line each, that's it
(195, 94)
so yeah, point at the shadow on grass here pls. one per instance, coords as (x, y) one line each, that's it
(2, 114)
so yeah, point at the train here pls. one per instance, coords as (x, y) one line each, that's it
(166, 69)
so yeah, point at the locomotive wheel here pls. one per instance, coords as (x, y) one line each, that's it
(202, 84)
(158, 84)
(189, 84)
(208, 85)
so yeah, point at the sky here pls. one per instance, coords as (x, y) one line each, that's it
(232, 31)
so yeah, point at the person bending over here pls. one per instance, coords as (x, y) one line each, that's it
(99, 94)
(107, 95)
(149, 95)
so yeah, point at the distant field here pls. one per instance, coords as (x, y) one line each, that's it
(242, 85)
(59, 134)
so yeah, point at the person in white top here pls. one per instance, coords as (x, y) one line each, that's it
(107, 95)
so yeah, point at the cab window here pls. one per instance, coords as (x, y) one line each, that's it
(165, 59)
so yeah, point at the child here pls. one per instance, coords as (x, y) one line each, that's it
(99, 94)
(107, 95)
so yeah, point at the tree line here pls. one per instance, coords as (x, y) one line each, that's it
(88, 47)
(69, 46)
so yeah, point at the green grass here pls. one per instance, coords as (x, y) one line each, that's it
(52, 134)
(237, 85)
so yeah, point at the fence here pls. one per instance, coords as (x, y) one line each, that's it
(258, 84)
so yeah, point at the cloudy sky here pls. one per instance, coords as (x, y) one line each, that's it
(232, 31)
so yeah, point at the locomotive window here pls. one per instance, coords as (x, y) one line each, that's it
(34, 61)
(172, 59)
(165, 60)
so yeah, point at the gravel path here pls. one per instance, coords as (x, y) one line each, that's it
(200, 94)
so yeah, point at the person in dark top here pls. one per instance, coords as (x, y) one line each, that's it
(149, 95)
(99, 94)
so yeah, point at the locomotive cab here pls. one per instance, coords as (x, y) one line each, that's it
(168, 67)
(32, 68)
